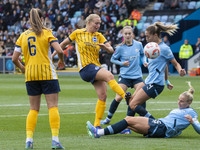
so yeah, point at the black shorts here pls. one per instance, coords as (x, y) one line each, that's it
(42, 87)
(153, 90)
(129, 82)
(157, 128)
(88, 73)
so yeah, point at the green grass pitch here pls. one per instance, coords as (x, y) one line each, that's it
(77, 102)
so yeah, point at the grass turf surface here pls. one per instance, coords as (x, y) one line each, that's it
(77, 102)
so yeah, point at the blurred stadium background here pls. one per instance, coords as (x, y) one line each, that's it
(65, 16)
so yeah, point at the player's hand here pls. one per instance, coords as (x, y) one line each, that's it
(61, 65)
(182, 72)
(145, 64)
(126, 63)
(102, 46)
(22, 69)
(189, 118)
(170, 86)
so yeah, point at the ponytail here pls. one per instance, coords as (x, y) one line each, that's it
(36, 22)
(159, 27)
(189, 94)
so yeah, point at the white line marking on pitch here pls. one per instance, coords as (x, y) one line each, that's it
(72, 113)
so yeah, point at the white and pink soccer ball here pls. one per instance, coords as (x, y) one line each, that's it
(152, 50)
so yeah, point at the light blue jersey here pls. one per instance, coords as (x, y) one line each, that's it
(176, 122)
(132, 54)
(157, 66)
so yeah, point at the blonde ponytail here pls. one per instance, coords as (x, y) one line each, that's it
(189, 94)
(36, 22)
(159, 27)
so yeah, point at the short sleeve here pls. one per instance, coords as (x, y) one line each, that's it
(51, 37)
(102, 38)
(72, 36)
(167, 53)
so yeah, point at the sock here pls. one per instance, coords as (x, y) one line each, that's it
(116, 88)
(100, 108)
(100, 132)
(140, 110)
(113, 108)
(143, 112)
(31, 121)
(148, 115)
(54, 121)
(116, 128)
(144, 105)
(29, 139)
(55, 138)
(130, 112)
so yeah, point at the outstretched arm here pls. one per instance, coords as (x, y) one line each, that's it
(169, 85)
(194, 122)
(178, 67)
(107, 47)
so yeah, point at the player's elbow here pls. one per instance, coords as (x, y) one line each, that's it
(14, 60)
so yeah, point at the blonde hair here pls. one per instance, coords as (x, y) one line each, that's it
(36, 22)
(90, 18)
(159, 27)
(189, 94)
(125, 27)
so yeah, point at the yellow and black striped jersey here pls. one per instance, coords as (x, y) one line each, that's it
(37, 54)
(86, 46)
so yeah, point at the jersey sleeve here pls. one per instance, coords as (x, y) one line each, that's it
(18, 44)
(51, 38)
(19, 41)
(143, 57)
(196, 125)
(102, 39)
(72, 36)
(115, 57)
(167, 53)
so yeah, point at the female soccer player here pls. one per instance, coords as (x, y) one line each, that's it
(88, 42)
(40, 74)
(127, 55)
(171, 125)
(154, 83)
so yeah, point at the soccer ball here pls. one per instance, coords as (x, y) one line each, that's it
(152, 50)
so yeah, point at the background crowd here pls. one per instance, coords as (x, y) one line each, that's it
(65, 16)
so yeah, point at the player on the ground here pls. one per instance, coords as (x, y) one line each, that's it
(171, 125)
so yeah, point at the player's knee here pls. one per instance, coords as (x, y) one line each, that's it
(132, 105)
(103, 96)
(128, 119)
(110, 76)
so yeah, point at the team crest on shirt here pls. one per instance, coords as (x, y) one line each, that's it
(137, 50)
(97, 67)
(94, 39)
